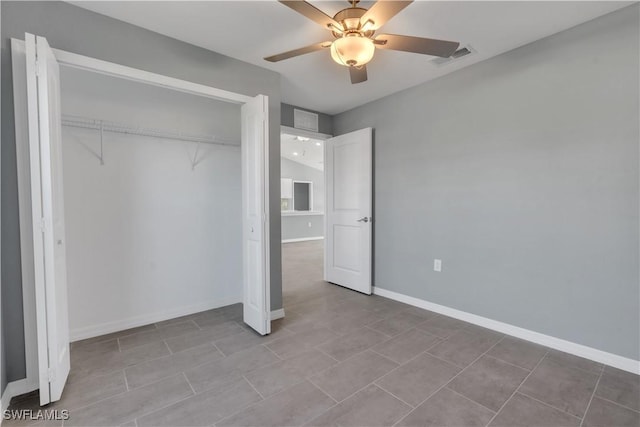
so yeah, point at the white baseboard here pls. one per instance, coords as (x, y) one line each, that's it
(580, 350)
(277, 314)
(119, 325)
(303, 239)
(13, 389)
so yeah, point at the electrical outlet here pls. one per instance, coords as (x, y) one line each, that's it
(437, 265)
(309, 224)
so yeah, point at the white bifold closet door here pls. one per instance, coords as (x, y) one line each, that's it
(348, 232)
(255, 235)
(45, 148)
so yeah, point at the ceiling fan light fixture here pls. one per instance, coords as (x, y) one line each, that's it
(352, 50)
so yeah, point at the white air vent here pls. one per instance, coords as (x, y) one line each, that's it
(460, 53)
(305, 120)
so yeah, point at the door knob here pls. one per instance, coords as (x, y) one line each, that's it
(364, 219)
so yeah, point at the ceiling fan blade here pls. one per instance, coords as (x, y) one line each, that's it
(381, 12)
(358, 74)
(298, 52)
(421, 45)
(312, 12)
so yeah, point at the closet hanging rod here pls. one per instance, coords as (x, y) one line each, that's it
(107, 126)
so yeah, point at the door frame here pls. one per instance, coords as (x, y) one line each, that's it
(73, 60)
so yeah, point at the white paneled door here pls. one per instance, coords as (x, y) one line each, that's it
(45, 151)
(255, 238)
(349, 183)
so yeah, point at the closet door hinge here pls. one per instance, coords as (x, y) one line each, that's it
(51, 375)
(43, 225)
(37, 68)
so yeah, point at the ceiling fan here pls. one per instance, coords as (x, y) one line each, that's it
(354, 31)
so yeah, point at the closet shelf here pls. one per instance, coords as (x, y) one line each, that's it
(107, 126)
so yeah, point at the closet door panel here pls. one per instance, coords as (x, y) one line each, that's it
(256, 301)
(45, 147)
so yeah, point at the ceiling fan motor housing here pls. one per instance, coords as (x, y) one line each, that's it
(350, 20)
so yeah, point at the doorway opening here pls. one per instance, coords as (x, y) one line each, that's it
(302, 204)
(327, 210)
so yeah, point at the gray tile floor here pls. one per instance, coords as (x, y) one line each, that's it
(338, 358)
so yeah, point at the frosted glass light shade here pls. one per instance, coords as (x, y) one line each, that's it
(352, 50)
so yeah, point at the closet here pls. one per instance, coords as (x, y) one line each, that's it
(142, 197)
(152, 197)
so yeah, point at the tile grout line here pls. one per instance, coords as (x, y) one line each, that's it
(400, 365)
(547, 405)
(354, 393)
(124, 392)
(387, 391)
(274, 353)
(189, 382)
(126, 381)
(328, 355)
(617, 404)
(374, 383)
(253, 387)
(165, 406)
(256, 403)
(573, 365)
(593, 393)
(508, 363)
(217, 348)
(518, 388)
(244, 407)
(325, 392)
(469, 399)
(454, 377)
(375, 330)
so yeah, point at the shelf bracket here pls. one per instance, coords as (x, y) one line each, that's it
(101, 143)
(194, 162)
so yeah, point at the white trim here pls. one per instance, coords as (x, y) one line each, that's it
(277, 314)
(303, 239)
(116, 70)
(301, 213)
(133, 322)
(306, 133)
(580, 350)
(13, 389)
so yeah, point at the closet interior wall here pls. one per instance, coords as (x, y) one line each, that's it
(153, 223)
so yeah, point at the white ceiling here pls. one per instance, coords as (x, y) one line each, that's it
(308, 151)
(251, 30)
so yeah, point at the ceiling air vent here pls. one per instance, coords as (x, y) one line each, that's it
(463, 51)
(305, 120)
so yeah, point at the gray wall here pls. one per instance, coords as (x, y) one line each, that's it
(302, 226)
(521, 174)
(297, 227)
(77, 30)
(299, 172)
(325, 121)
